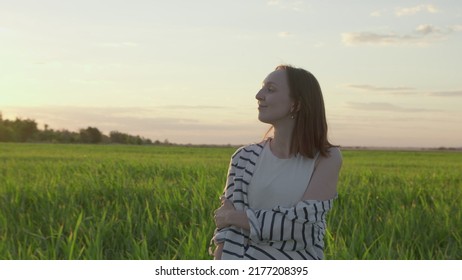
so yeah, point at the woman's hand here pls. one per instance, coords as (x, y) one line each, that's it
(227, 215)
(218, 251)
(224, 213)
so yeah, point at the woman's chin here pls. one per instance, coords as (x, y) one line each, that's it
(264, 120)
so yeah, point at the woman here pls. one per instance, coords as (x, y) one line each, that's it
(279, 191)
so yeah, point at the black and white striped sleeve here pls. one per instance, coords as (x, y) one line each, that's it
(290, 228)
(220, 234)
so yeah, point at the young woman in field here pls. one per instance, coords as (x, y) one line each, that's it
(279, 191)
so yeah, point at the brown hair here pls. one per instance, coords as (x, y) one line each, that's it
(310, 131)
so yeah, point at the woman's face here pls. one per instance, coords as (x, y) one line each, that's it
(274, 101)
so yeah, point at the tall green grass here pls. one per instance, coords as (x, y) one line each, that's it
(398, 205)
(155, 202)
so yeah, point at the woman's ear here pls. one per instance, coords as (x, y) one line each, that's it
(295, 107)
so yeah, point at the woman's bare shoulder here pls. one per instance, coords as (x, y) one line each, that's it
(334, 159)
(335, 153)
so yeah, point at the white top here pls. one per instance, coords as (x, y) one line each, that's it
(279, 182)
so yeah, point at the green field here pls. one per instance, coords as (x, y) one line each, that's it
(156, 202)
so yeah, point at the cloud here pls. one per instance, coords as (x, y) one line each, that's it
(454, 93)
(198, 107)
(273, 3)
(376, 14)
(297, 6)
(381, 89)
(356, 38)
(422, 35)
(456, 28)
(118, 45)
(426, 29)
(284, 34)
(403, 90)
(383, 106)
(409, 11)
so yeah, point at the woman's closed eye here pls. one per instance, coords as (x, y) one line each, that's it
(269, 88)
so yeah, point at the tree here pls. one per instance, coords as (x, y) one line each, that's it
(118, 137)
(6, 133)
(91, 135)
(25, 129)
(21, 130)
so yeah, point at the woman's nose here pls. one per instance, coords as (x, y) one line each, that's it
(259, 96)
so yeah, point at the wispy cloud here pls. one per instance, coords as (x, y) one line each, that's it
(284, 34)
(454, 93)
(376, 14)
(357, 38)
(195, 107)
(425, 29)
(380, 88)
(297, 6)
(400, 90)
(422, 35)
(409, 11)
(456, 28)
(383, 106)
(273, 2)
(118, 45)
(406, 11)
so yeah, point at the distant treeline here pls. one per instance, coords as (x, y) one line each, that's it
(26, 130)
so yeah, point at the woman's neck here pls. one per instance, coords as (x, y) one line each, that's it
(281, 142)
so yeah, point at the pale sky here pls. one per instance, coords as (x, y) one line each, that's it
(188, 71)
